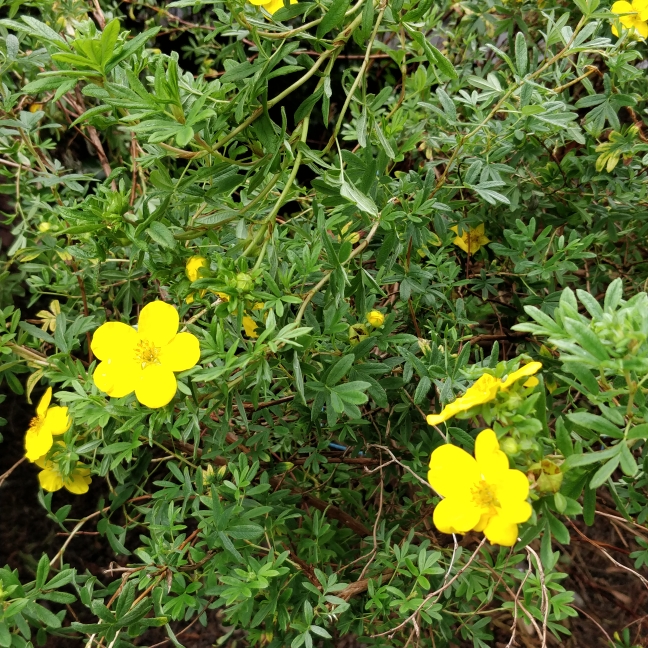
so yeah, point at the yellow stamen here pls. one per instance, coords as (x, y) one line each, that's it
(146, 353)
(483, 495)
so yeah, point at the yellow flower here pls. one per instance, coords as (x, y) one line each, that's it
(481, 493)
(375, 318)
(48, 422)
(636, 16)
(193, 272)
(145, 359)
(271, 5)
(51, 479)
(471, 240)
(527, 370)
(483, 390)
(193, 267)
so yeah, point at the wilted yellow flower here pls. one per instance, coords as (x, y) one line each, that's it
(271, 5)
(470, 240)
(249, 325)
(636, 16)
(48, 423)
(481, 493)
(485, 389)
(49, 317)
(51, 479)
(144, 360)
(375, 318)
(357, 333)
(482, 391)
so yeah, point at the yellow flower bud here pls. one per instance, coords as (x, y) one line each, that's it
(375, 318)
(44, 227)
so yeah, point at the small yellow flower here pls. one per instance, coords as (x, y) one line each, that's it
(51, 479)
(483, 390)
(194, 266)
(636, 16)
(353, 237)
(480, 493)
(375, 318)
(471, 240)
(48, 422)
(271, 5)
(144, 360)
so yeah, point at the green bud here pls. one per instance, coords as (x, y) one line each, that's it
(244, 282)
(509, 446)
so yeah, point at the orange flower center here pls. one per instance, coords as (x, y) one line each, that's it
(146, 353)
(36, 424)
(483, 495)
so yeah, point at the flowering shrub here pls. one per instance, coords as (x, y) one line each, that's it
(343, 306)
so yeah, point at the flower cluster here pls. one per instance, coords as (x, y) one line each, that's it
(480, 493)
(197, 267)
(39, 441)
(484, 390)
(144, 360)
(633, 16)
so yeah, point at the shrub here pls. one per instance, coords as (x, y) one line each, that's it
(271, 271)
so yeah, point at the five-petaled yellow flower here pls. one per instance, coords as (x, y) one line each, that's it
(143, 360)
(484, 390)
(481, 493)
(470, 240)
(375, 318)
(636, 18)
(51, 479)
(48, 422)
(271, 5)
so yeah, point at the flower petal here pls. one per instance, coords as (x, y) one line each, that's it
(79, 481)
(156, 386)
(50, 480)
(527, 370)
(117, 377)
(511, 485)
(491, 460)
(38, 441)
(250, 327)
(455, 515)
(44, 402)
(158, 323)
(182, 353)
(621, 7)
(641, 27)
(193, 267)
(515, 512)
(273, 5)
(114, 340)
(501, 532)
(452, 471)
(57, 420)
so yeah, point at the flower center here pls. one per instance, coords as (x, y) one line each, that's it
(146, 353)
(36, 424)
(483, 495)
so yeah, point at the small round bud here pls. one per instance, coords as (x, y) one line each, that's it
(244, 282)
(375, 318)
(509, 446)
(44, 227)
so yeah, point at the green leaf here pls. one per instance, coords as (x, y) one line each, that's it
(596, 423)
(42, 571)
(354, 195)
(5, 635)
(604, 472)
(638, 432)
(162, 234)
(521, 54)
(340, 369)
(575, 461)
(586, 338)
(333, 16)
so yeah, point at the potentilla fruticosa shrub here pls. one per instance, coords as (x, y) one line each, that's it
(335, 311)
